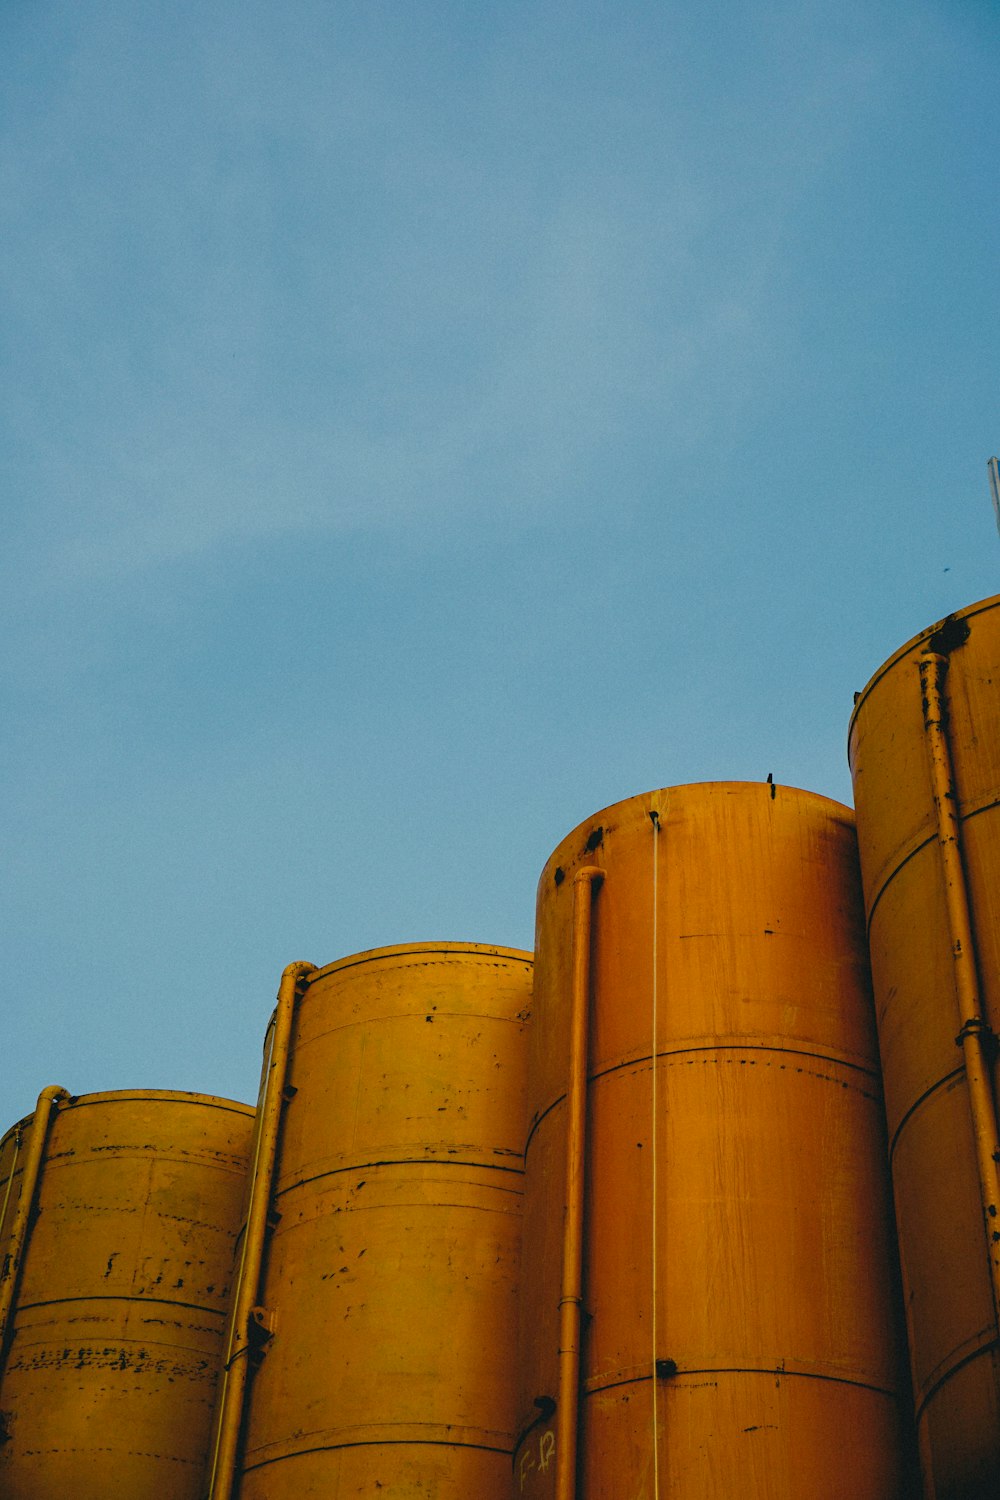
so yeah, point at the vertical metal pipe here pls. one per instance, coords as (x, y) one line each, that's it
(246, 1290)
(18, 1142)
(571, 1298)
(10, 1270)
(974, 1036)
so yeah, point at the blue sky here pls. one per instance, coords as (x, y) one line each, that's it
(426, 423)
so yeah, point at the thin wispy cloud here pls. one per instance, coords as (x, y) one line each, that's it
(372, 321)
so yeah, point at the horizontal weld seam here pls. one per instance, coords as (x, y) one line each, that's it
(391, 1017)
(748, 1046)
(637, 1062)
(864, 1385)
(404, 1161)
(136, 1301)
(987, 1348)
(957, 1072)
(933, 838)
(380, 1442)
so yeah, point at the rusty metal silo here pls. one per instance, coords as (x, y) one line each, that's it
(925, 756)
(390, 1279)
(708, 1287)
(118, 1218)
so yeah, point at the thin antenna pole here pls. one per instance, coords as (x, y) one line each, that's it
(993, 469)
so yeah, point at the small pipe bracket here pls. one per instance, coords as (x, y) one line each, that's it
(975, 1026)
(260, 1329)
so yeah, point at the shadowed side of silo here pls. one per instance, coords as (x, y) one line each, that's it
(118, 1218)
(709, 1304)
(391, 1274)
(925, 757)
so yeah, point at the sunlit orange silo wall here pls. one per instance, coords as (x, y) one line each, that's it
(925, 756)
(737, 1329)
(115, 1331)
(392, 1272)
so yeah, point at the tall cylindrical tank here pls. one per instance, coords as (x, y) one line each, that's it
(392, 1272)
(115, 1334)
(925, 756)
(737, 1330)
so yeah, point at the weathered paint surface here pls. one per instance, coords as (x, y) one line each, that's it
(393, 1269)
(945, 1240)
(764, 1259)
(110, 1374)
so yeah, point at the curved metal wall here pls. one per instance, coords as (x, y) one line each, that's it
(915, 870)
(392, 1272)
(115, 1336)
(738, 1334)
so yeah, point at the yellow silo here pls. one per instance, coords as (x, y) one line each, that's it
(390, 1280)
(707, 1290)
(925, 756)
(118, 1218)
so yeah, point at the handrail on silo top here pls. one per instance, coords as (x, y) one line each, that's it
(585, 884)
(244, 1312)
(974, 1036)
